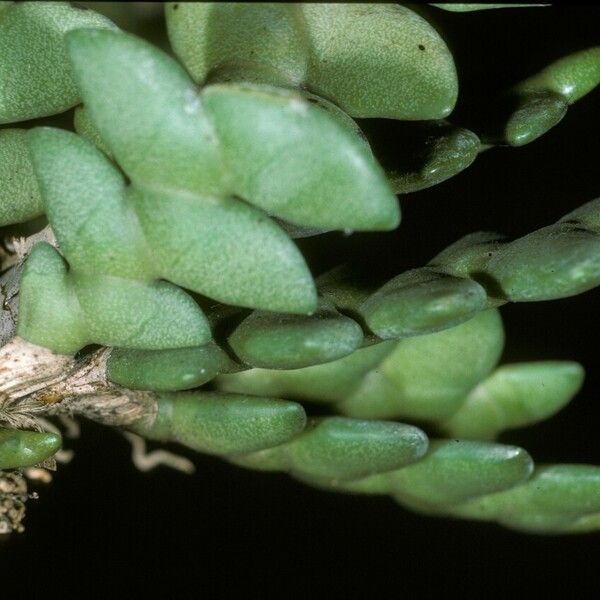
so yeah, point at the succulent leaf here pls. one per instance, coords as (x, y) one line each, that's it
(445, 151)
(557, 499)
(557, 261)
(269, 146)
(431, 374)
(458, 7)
(33, 33)
(372, 60)
(572, 76)
(165, 370)
(515, 395)
(452, 471)
(19, 449)
(329, 382)
(279, 341)
(223, 424)
(422, 301)
(20, 198)
(340, 448)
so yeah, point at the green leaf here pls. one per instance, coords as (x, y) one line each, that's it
(330, 382)
(557, 499)
(20, 198)
(431, 374)
(374, 396)
(269, 146)
(536, 114)
(113, 274)
(468, 256)
(383, 61)
(85, 127)
(295, 161)
(572, 76)
(220, 118)
(49, 312)
(141, 315)
(341, 117)
(20, 449)
(514, 396)
(223, 424)
(32, 34)
(165, 370)
(557, 261)
(340, 448)
(147, 111)
(84, 200)
(538, 103)
(457, 7)
(422, 301)
(224, 249)
(235, 40)
(98, 228)
(347, 287)
(64, 311)
(372, 60)
(586, 215)
(446, 151)
(452, 471)
(279, 341)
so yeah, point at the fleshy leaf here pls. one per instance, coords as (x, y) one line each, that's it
(330, 382)
(49, 313)
(269, 146)
(226, 250)
(339, 448)
(294, 161)
(432, 374)
(223, 424)
(572, 76)
(65, 311)
(557, 261)
(372, 60)
(19, 449)
(445, 151)
(468, 256)
(32, 34)
(84, 200)
(279, 341)
(457, 7)
(147, 111)
(536, 114)
(422, 301)
(141, 315)
(514, 396)
(452, 471)
(113, 277)
(236, 40)
(85, 127)
(538, 103)
(20, 198)
(169, 108)
(165, 370)
(557, 499)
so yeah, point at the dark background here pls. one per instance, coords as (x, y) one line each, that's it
(101, 520)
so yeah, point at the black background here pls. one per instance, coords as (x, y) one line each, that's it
(102, 523)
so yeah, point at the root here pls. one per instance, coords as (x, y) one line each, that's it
(73, 430)
(146, 461)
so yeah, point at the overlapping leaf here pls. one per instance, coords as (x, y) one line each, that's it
(32, 34)
(404, 71)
